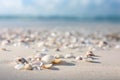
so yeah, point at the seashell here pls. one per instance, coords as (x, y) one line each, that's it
(28, 67)
(68, 56)
(3, 49)
(57, 49)
(47, 66)
(40, 44)
(58, 56)
(37, 65)
(117, 46)
(19, 66)
(5, 42)
(21, 60)
(90, 53)
(79, 58)
(38, 56)
(102, 43)
(45, 50)
(47, 59)
(57, 61)
(36, 68)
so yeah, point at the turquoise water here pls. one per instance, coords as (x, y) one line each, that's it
(56, 24)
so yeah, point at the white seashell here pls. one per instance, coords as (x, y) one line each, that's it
(117, 46)
(40, 44)
(68, 56)
(19, 66)
(5, 42)
(58, 56)
(45, 50)
(79, 58)
(37, 66)
(47, 59)
(38, 55)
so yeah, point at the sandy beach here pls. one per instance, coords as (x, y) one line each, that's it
(106, 65)
(106, 68)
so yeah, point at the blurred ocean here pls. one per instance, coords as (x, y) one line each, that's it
(63, 23)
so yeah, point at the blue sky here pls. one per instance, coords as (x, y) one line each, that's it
(79, 8)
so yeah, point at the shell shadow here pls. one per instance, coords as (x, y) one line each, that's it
(98, 62)
(97, 56)
(64, 63)
(54, 68)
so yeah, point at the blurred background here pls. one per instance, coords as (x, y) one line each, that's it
(58, 12)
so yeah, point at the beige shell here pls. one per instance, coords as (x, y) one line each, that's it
(47, 66)
(28, 67)
(3, 49)
(47, 59)
(57, 61)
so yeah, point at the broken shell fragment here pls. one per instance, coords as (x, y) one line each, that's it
(19, 66)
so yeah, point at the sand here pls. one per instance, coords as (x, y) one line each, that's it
(107, 67)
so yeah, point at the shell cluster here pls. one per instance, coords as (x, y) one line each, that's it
(38, 62)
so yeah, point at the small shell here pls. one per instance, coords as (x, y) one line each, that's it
(3, 49)
(47, 59)
(37, 66)
(39, 56)
(57, 61)
(57, 56)
(45, 50)
(21, 60)
(57, 49)
(28, 67)
(79, 58)
(19, 66)
(47, 66)
(68, 56)
(90, 53)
